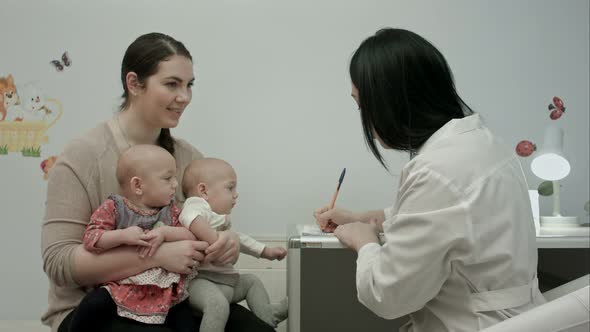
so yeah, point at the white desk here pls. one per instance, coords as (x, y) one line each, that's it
(321, 288)
(564, 242)
(543, 241)
(321, 274)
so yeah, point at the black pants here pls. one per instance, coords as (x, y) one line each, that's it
(98, 312)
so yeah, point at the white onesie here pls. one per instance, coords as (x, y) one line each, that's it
(196, 206)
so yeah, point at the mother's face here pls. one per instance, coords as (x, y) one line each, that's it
(166, 94)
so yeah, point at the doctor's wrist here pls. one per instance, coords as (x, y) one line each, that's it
(358, 245)
(358, 216)
(364, 247)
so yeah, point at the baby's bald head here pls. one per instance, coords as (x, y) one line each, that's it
(204, 170)
(139, 160)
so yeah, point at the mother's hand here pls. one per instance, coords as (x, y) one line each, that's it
(356, 235)
(180, 256)
(226, 250)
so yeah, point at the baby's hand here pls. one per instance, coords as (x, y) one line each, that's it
(154, 238)
(273, 253)
(134, 236)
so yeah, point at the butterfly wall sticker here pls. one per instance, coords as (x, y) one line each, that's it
(64, 62)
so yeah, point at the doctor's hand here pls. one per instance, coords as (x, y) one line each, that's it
(328, 219)
(356, 235)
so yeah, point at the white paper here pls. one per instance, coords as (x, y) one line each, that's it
(312, 229)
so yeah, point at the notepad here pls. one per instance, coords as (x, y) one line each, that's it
(312, 229)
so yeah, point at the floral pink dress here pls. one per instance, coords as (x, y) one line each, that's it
(148, 296)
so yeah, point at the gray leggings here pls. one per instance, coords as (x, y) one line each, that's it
(213, 300)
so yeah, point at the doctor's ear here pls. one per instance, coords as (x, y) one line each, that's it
(135, 184)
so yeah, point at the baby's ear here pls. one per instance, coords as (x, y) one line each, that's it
(135, 185)
(202, 190)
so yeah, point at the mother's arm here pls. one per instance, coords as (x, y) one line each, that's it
(118, 263)
(124, 261)
(225, 250)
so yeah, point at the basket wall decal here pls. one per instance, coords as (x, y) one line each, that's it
(21, 136)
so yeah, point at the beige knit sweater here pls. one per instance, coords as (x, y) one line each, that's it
(80, 181)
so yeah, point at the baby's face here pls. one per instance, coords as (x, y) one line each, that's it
(222, 193)
(159, 182)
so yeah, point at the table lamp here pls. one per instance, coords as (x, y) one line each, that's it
(551, 165)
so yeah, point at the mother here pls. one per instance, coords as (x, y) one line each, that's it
(157, 77)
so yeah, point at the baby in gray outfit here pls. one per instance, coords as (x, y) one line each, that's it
(210, 187)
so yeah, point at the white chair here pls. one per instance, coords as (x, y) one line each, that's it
(567, 309)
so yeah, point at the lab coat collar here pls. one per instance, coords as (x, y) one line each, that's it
(452, 128)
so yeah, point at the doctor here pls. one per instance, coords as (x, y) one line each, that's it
(459, 251)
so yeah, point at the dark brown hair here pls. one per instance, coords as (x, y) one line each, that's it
(143, 57)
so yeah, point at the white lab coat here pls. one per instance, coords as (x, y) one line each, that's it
(459, 252)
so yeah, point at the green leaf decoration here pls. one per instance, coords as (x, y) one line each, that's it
(545, 188)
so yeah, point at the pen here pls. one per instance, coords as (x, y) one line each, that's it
(337, 188)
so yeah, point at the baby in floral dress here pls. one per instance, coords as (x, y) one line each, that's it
(144, 215)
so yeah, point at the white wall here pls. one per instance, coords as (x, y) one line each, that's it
(272, 96)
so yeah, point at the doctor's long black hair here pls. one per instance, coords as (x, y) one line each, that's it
(406, 90)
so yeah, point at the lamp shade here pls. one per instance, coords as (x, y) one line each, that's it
(550, 164)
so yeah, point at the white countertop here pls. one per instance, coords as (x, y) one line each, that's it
(562, 241)
(312, 237)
